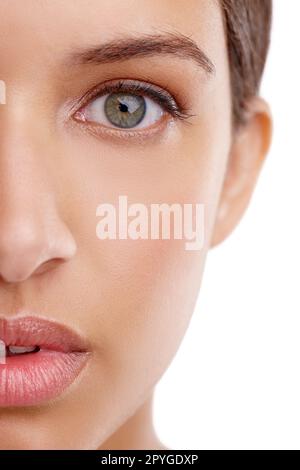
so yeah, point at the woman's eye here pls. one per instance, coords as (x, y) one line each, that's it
(122, 110)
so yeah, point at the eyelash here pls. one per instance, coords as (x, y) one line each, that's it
(163, 97)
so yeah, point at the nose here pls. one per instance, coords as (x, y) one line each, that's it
(34, 236)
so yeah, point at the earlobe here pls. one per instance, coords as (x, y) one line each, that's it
(249, 148)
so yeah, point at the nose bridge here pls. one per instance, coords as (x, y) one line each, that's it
(31, 229)
(25, 183)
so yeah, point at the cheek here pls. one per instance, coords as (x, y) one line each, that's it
(153, 285)
(146, 289)
(148, 296)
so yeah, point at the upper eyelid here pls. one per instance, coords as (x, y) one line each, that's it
(129, 84)
(126, 85)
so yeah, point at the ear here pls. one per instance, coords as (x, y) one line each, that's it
(249, 148)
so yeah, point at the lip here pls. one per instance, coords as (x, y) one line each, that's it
(34, 378)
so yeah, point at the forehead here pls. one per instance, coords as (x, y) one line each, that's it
(54, 26)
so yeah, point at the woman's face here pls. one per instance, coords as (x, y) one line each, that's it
(61, 156)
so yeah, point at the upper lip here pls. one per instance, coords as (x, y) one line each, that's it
(32, 330)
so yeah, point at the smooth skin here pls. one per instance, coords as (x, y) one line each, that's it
(132, 299)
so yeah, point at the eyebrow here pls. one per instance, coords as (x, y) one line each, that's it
(147, 45)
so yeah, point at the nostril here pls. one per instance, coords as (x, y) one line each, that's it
(48, 265)
(20, 252)
(16, 269)
(10, 276)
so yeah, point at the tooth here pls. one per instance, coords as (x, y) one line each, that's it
(2, 352)
(20, 349)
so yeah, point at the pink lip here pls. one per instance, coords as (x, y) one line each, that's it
(33, 378)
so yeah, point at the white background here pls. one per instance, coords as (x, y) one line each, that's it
(235, 381)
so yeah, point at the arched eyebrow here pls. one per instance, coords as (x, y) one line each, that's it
(125, 48)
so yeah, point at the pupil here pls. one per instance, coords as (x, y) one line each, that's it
(123, 108)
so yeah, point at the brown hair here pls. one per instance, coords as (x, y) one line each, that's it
(248, 25)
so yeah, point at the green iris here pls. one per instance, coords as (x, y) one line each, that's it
(124, 109)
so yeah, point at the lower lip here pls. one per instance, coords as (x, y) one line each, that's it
(33, 378)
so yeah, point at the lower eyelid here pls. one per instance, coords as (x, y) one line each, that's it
(121, 135)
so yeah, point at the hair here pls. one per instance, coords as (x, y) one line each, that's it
(248, 27)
